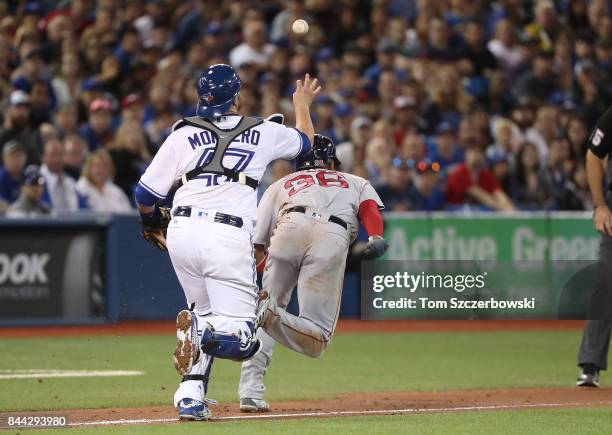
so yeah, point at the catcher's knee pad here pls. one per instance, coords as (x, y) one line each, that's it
(238, 346)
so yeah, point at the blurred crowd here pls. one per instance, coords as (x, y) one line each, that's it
(441, 104)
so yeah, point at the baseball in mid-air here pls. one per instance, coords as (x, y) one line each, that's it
(300, 27)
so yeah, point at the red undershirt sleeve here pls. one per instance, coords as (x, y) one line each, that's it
(370, 217)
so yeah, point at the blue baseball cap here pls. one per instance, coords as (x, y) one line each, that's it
(32, 8)
(477, 86)
(324, 54)
(91, 84)
(445, 127)
(343, 110)
(497, 156)
(32, 176)
(214, 28)
(268, 77)
(563, 100)
(323, 99)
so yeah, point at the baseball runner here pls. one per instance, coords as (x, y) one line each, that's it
(218, 157)
(306, 222)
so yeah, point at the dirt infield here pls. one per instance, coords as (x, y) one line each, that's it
(355, 404)
(344, 326)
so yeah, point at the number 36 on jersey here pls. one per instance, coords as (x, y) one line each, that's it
(322, 178)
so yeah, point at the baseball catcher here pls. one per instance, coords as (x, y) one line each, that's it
(219, 156)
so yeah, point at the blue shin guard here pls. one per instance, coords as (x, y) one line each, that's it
(237, 347)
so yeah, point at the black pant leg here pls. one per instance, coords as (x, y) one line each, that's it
(596, 336)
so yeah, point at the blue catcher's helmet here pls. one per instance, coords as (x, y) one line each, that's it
(218, 87)
(323, 150)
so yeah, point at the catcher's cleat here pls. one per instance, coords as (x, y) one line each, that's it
(588, 378)
(187, 351)
(193, 410)
(254, 405)
(262, 308)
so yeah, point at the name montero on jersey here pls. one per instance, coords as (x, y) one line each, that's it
(205, 137)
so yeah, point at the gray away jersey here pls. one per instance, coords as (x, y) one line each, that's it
(332, 192)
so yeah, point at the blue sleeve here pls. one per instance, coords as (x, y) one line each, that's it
(83, 201)
(46, 198)
(4, 192)
(305, 143)
(145, 196)
(22, 84)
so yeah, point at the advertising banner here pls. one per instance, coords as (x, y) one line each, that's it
(521, 237)
(51, 272)
(528, 265)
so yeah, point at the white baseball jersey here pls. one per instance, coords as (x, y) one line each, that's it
(331, 192)
(190, 147)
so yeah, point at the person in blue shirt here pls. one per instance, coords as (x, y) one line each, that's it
(426, 192)
(343, 116)
(127, 49)
(14, 160)
(98, 131)
(30, 202)
(385, 60)
(443, 148)
(395, 194)
(33, 70)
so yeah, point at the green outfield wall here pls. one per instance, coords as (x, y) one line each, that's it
(487, 236)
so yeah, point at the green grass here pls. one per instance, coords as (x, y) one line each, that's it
(355, 362)
(542, 422)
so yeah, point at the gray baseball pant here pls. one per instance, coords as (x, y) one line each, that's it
(311, 253)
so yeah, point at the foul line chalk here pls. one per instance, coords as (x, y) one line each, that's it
(346, 413)
(34, 374)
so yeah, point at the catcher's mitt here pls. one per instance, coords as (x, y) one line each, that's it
(155, 226)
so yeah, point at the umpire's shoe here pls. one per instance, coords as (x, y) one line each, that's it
(588, 377)
(193, 410)
(187, 351)
(254, 405)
